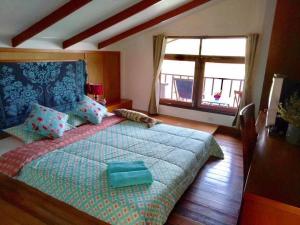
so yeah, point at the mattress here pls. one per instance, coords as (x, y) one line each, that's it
(76, 173)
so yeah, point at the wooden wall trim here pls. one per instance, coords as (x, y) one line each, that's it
(53, 50)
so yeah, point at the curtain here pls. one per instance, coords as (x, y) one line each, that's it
(251, 45)
(159, 44)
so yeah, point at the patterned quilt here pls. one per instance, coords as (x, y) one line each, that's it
(76, 173)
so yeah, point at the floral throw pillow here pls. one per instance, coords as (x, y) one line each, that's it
(46, 122)
(90, 110)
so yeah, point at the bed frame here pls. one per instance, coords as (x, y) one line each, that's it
(20, 203)
(102, 66)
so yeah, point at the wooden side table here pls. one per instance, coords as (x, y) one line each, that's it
(123, 103)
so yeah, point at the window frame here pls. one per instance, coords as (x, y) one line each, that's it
(200, 61)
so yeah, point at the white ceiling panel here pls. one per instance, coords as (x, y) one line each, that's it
(149, 13)
(17, 15)
(85, 17)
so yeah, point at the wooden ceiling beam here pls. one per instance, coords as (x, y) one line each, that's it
(152, 22)
(119, 17)
(49, 20)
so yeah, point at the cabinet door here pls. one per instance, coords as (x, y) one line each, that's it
(104, 68)
(111, 76)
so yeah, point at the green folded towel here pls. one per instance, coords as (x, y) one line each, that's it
(122, 179)
(115, 167)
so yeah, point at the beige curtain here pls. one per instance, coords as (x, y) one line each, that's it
(251, 45)
(159, 45)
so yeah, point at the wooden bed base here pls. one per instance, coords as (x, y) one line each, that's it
(22, 204)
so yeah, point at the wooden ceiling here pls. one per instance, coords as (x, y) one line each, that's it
(116, 20)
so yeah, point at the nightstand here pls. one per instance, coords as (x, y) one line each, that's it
(123, 103)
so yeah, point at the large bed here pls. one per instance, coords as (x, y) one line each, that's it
(73, 168)
(76, 172)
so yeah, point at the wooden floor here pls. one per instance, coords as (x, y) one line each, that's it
(215, 196)
(207, 127)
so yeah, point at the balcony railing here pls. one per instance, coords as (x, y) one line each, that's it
(172, 86)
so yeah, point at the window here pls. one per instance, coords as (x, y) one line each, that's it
(203, 73)
(183, 46)
(224, 46)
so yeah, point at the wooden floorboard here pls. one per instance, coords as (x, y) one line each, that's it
(207, 127)
(215, 196)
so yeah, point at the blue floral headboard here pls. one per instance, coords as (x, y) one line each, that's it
(58, 85)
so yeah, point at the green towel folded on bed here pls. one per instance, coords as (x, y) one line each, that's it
(122, 179)
(115, 167)
(121, 174)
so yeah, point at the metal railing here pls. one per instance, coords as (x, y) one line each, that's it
(220, 85)
(211, 85)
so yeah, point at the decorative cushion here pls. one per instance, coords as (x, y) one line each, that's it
(136, 116)
(90, 110)
(47, 122)
(75, 120)
(26, 136)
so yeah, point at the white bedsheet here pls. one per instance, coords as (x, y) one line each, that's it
(9, 143)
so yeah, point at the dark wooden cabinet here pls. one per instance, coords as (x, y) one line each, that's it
(272, 190)
(284, 51)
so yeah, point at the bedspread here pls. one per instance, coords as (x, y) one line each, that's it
(76, 173)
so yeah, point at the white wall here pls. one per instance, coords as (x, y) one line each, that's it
(218, 17)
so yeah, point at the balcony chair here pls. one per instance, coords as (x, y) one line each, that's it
(237, 98)
(183, 89)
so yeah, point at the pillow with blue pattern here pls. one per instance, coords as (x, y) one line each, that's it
(46, 121)
(90, 110)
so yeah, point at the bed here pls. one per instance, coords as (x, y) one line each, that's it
(73, 168)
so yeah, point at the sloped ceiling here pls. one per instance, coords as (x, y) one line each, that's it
(17, 15)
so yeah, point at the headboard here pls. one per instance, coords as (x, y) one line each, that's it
(56, 84)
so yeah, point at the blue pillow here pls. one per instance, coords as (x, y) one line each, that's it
(90, 110)
(46, 122)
